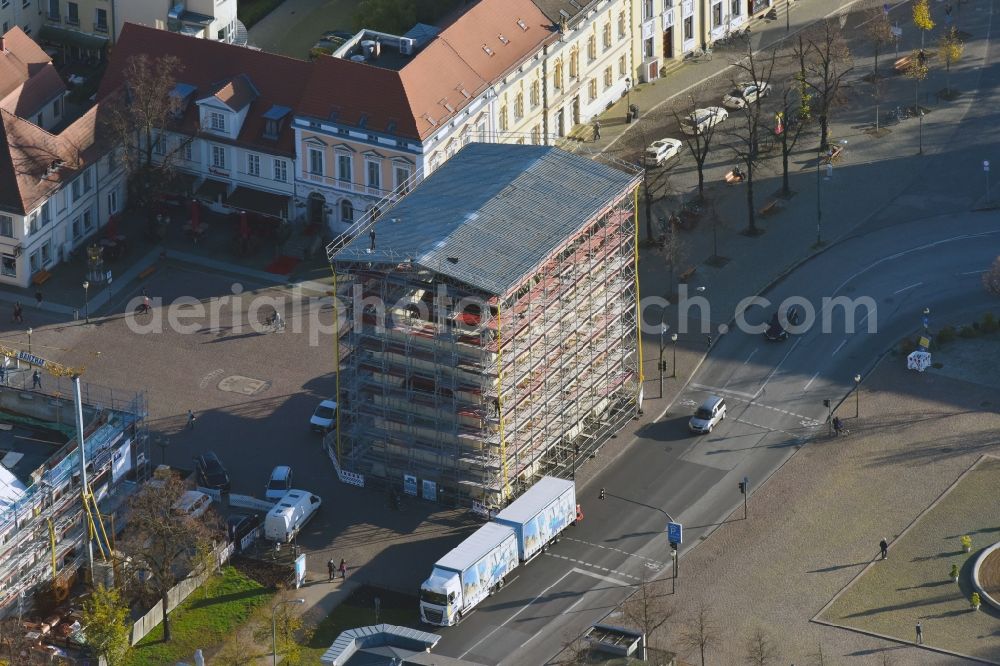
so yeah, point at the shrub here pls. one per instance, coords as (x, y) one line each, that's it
(946, 335)
(967, 332)
(954, 572)
(966, 542)
(907, 346)
(974, 599)
(989, 323)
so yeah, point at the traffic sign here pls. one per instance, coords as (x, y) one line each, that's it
(675, 533)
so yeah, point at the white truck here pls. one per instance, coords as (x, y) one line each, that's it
(477, 567)
(290, 514)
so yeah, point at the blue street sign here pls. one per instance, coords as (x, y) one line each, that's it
(675, 533)
(926, 321)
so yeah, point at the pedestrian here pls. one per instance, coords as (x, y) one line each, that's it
(146, 309)
(36, 380)
(920, 634)
(331, 568)
(3, 373)
(38, 297)
(343, 569)
(190, 423)
(597, 130)
(884, 547)
(18, 312)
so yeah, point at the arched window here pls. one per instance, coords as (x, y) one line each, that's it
(346, 211)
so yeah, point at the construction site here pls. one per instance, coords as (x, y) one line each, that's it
(54, 511)
(492, 331)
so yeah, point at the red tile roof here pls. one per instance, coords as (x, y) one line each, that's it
(211, 66)
(27, 78)
(237, 92)
(28, 98)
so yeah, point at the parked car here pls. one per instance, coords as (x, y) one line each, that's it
(238, 525)
(211, 472)
(288, 516)
(746, 93)
(661, 151)
(324, 418)
(193, 503)
(700, 121)
(708, 415)
(279, 483)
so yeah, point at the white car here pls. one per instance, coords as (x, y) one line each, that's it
(702, 120)
(325, 417)
(279, 483)
(745, 93)
(661, 151)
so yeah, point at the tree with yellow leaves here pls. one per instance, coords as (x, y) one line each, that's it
(951, 47)
(922, 18)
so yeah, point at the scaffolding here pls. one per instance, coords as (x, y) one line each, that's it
(480, 392)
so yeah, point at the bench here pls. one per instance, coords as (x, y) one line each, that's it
(40, 278)
(771, 206)
(732, 179)
(146, 272)
(687, 274)
(903, 64)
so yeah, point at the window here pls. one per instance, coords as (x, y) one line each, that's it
(113, 202)
(648, 46)
(40, 119)
(647, 9)
(608, 80)
(218, 157)
(344, 168)
(401, 174)
(592, 89)
(53, 10)
(689, 28)
(188, 151)
(519, 106)
(88, 221)
(77, 229)
(253, 165)
(101, 20)
(622, 66)
(34, 265)
(73, 13)
(217, 121)
(44, 214)
(574, 64)
(8, 267)
(46, 253)
(6, 226)
(57, 107)
(503, 118)
(621, 25)
(160, 145)
(536, 135)
(535, 94)
(346, 211)
(591, 48)
(76, 189)
(316, 161)
(717, 15)
(735, 8)
(374, 174)
(557, 76)
(606, 37)
(281, 170)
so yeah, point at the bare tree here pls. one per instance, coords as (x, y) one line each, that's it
(15, 646)
(647, 608)
(761, 650)
(698, 141)
(991, 278)
(165, 545)
(794, 116)
(140, 117)
(673, 249)
(824, 59)
(701, 632)
(749, 132)
(917, 70)
(878, 30)
(576, 651)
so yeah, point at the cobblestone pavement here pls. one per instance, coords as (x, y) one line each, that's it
(818, 520)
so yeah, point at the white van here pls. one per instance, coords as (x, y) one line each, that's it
(193, 503)
(289, 515)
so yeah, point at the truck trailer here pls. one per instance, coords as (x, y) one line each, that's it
(477, 567)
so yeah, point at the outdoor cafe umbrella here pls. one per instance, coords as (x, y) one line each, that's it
(195, 216)
(244, 225)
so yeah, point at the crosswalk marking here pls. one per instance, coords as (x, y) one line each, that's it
(594, 566)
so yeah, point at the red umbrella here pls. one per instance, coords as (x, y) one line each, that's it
(244, 225)
(112, 227)
(195, 215)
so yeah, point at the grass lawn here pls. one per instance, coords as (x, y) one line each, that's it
(204, 620)
(359, 611)
(251, 11)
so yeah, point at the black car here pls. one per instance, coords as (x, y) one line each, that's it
(211, 473)
(238, 525)
(776, 330)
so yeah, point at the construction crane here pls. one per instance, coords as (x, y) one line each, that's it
(93, 531)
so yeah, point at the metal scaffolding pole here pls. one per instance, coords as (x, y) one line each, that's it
(84, 485)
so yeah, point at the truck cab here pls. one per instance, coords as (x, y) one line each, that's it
(441, 598)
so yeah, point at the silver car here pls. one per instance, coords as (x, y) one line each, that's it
(708, 415)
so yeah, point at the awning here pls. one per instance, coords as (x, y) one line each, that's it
(210, 190)
(257, 201)
(67, 37)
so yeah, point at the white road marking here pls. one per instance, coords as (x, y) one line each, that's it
(912, 286)
(751, 355)
(972, 273)
(839, 347)
(520, 610)
(780, 411)
(716, 389)
(594, 566)
(617, 550)
(783, 358)
(546, 628)
(865, 318)
(811, 380)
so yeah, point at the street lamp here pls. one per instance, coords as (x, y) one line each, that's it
(857, 395)
(86, 300)
(30, 331)
(274, 630)
(788, 13)
(628, 92)
(663, 331)
(673, 368)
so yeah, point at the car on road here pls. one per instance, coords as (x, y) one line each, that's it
(746, 93)
(776, 330)
(325, 417)
(700, 121)
(211, 472)
(662, 150)
(708, 415)
(279, 483)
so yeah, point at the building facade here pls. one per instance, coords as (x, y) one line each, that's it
(493, 326)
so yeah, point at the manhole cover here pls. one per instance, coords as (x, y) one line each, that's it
(244, 385)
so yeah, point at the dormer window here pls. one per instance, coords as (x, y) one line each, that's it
(522, 25)
(488, 50)
(503, 39)
(217, 121)
(273, 121)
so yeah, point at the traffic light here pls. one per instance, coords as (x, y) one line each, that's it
(673, 546)
(602, 493)
(743, 488)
